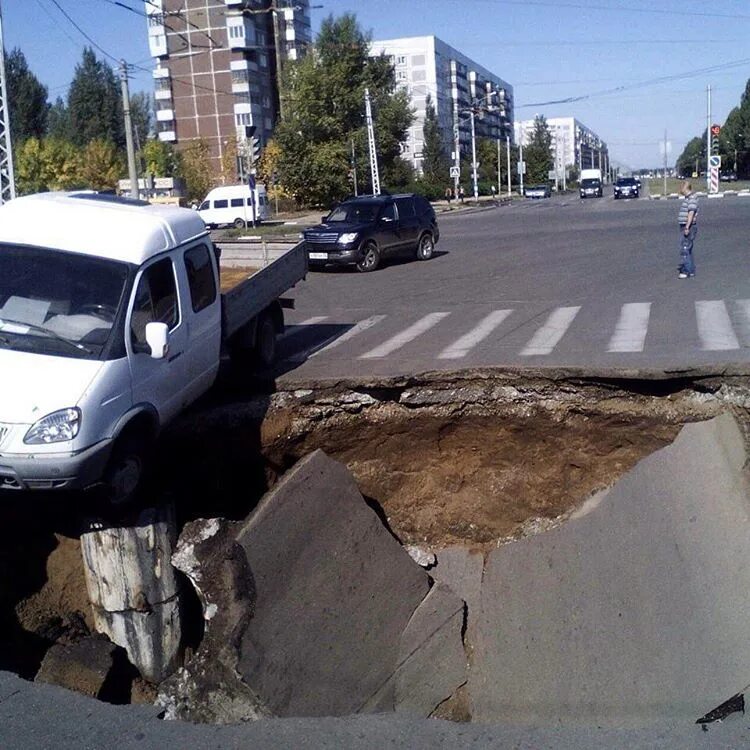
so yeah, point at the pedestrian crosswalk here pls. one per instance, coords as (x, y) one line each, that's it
(626, 329)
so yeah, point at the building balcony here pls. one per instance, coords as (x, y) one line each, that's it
(165, 115)
(158, 45)
(168, 136)
(240, 87)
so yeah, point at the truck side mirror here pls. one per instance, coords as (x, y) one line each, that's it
(323, 219)
(157, 338)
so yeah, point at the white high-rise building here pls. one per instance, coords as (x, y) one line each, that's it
(573, 144)
(427, 65)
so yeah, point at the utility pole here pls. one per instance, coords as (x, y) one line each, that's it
(499, 180)
(277, 49)
(354, 169)
(665, 161)
(7, 178)
(521, 165)
(708, 141)
(507, 151)
(132, 172)
(457, 158)
(474, 157)
(371, 142)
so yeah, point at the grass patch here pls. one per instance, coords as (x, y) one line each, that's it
(656, 186)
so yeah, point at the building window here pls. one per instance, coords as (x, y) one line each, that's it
(263, 61)
(400, 75)
(156, 19)
(242, 119)
(162, 84)
(267, 101)
(239, 76)
(401, 60)
(242, 98)
(236, 32)
(418, 60)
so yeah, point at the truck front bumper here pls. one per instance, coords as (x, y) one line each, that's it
(54, 471)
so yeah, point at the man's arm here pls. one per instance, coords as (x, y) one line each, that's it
(691, 216)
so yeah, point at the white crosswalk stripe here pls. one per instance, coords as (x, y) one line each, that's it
(549, 335)
(744, 306)
(355, 330)
(292, 329)
(409, 334)
(466, 343)
(631, 329)
(714, 326)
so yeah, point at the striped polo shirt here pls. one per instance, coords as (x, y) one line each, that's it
(690, 203)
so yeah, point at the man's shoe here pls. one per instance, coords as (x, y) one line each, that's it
(682, 275)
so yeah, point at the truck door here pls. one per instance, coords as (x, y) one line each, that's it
(159, 382)
(202, 305)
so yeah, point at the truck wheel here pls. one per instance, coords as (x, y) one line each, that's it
(125, 471)
(371, 258)
(425, 247)
(239, 223)
(265, 342)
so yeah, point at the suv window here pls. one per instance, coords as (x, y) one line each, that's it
(155, 300)
(423, 206)
(200, 275)
(389, 211)
(405, 207)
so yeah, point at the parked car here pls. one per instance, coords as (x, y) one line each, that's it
(626, 187)
(537, 191)
(728, 177)
(113, 318)
(591, 188)
(365, 230)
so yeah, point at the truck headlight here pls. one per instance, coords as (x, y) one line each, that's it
(57, 427)
(347, 238)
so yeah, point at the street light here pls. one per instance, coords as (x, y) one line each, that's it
(475, 107)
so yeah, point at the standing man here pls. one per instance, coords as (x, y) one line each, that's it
(448, 194)
(688, 221)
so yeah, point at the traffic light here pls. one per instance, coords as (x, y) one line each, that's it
(715, 130)
(254, 149)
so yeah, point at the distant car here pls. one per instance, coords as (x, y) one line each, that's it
(363, 231)
(538, 191)
(728, 177)
(626, 187)
(637, 182)
(591, 188)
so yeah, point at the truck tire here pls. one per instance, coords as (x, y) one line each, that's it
(265, 342)
(125, 470)
(426, 247)
(238, 223)
(371, 258)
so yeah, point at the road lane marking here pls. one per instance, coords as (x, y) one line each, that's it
(714, 326)
(355, 330)
(744, 305)
(548, 336)
(407, 335)
(631, 329)
(292, 329)
(466, 343)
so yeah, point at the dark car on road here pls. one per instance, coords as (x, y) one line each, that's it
(626, 187)
(538, 191)
(364, 231)
(591, 188)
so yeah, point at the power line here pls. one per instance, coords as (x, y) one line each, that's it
(119, 4)
(82, 32)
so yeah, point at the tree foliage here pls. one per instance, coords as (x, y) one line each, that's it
(27, 99)
(102, 165)
(693, 154)
(58, 120)
(435, 162)
(196, 169)
(95, 103)
(141, 115)
(160, 158)
(48, 164)
(324, 112)
(538, 153)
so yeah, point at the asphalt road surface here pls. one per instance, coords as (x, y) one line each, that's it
(561, 282)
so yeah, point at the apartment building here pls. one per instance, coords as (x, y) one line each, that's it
(573, 144)
(427, 65)
(216, 68)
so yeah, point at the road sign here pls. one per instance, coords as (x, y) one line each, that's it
(715, 129)
(521, 167)
(714, 161)
(713, 186)
(455, 171)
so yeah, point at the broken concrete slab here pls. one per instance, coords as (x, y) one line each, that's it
(432, 658)
(133, 589)
(335, 592)
(83, 666)
(208, 688)
(637, 610)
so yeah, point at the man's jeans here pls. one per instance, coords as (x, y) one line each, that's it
(686, 250)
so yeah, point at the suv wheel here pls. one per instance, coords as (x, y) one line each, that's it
(425, 247)
(371, 258)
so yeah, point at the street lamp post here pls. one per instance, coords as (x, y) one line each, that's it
(474, 157)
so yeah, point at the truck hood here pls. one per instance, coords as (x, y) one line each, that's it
(33, 385)
(341, 227)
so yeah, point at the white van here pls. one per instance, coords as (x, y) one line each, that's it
(232, 204)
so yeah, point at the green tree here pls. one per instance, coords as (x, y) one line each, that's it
(58, 120)
(435, 163)
(693, 153)
(101, 165)
(324, 113)
(160, 158)
(141, 114)
(27, 99)
(95, 104)
(63, 163)
(195, 169)
(30, 172)
(538, 153)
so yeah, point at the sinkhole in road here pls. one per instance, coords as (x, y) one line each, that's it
(474, 460)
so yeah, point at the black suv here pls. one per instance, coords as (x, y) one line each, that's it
(626, 187)
(363, 231)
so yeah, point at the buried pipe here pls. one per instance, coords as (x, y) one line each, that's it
(133, 590)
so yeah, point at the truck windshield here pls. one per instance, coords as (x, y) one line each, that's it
(590, 183)
(354, 213)
(58, 303)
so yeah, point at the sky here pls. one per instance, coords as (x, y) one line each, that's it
(548, 50)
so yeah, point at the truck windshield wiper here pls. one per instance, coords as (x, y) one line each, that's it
(48, 332)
